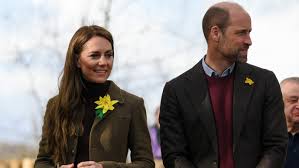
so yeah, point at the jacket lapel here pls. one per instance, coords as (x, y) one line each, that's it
(197, 89)
(242, 95)
(115, 94)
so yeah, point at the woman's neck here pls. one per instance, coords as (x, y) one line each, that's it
(92, 89)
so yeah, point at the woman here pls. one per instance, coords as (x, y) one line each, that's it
(92, 122)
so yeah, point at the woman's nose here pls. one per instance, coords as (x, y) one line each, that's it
(102, 60)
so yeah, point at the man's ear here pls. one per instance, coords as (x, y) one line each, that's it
(215, 33)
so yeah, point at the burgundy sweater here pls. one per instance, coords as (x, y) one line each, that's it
(221, 95)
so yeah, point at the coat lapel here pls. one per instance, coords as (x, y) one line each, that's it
(242, 95)
(197, 89)
(115, 94)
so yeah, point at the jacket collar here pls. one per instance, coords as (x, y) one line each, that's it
(211, 72)
(241, 98)
(116, 93)
(197, 90)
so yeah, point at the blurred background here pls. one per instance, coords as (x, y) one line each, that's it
(155, 40)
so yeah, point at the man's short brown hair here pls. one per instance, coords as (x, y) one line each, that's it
(215, 16)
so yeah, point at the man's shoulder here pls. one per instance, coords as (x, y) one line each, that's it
(261, 76)
(180, 79)
(255, 69)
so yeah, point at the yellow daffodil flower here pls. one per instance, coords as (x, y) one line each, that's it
(104, 104)
(249, 81)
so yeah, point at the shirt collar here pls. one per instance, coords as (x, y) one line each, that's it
(212, 73)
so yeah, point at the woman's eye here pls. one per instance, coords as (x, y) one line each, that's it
(94, 56)
(109, 54)
(99, 55)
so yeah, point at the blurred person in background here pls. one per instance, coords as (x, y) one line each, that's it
(92, 122)
(290, 93)
(155, 140)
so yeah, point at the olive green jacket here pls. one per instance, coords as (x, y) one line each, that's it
(121, 129)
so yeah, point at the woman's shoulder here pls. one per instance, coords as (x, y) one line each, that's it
(129, 95)
(131, 98)
(125, 95)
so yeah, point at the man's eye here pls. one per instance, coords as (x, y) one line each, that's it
(293, 100)
(242, 33)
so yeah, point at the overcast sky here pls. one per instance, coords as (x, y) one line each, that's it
(144, 30)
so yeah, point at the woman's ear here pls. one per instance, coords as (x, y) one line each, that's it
(78, 61)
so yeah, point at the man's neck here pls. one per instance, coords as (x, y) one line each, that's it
(292, 127)
(216, 63)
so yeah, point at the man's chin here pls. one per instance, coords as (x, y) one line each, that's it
(242, 59)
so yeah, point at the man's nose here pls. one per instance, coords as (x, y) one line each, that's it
(297, 104)
(248, 40)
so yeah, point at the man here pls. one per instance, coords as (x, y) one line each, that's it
(290, 93)
(224, 112)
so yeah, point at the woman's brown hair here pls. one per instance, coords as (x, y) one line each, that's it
(62, 119)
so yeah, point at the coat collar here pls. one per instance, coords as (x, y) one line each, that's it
(115, 94)
(197, 89)
(241, 97)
